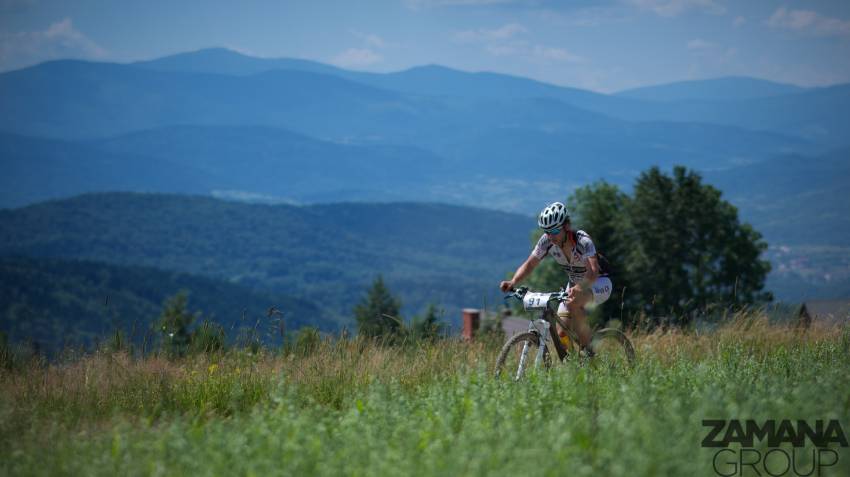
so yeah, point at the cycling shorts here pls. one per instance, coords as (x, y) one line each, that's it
(602, 289)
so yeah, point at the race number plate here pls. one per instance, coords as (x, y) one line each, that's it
(535, 301)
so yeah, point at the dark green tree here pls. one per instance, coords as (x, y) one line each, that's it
(686, 249)
(173, 324)
(377, 314)
(427, 327)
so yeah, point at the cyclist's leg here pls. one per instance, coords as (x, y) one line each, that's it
(578, 321)
(599, 293)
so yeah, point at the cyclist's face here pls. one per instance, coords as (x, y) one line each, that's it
(560, 235)
(555, 234)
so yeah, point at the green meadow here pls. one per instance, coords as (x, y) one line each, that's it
(354, 407)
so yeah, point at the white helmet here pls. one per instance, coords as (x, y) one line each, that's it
(553, 216)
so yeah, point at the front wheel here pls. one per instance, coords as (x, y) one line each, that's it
(611, 346)
(518, 355)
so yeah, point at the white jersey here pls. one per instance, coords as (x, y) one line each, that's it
(573, 263)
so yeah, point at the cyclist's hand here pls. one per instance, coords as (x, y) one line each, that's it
(506, 286)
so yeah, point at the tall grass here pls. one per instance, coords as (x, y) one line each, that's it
(356, 407)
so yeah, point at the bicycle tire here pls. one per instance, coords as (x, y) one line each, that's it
(509, 356)
(612, 345)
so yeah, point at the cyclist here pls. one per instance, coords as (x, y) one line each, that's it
(575, 253)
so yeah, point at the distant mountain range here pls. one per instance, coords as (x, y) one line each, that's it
(288, 131)
(733, 88)
(734, 101)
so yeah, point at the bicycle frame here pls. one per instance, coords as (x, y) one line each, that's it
(545, 331)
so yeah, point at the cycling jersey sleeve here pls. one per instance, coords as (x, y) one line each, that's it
(586, 246)
(542, 247)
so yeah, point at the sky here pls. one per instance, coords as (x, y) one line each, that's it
(604, 46)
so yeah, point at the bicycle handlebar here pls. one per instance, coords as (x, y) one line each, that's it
(519, 294)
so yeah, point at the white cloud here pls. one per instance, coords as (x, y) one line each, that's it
(356, 58)
(371, 40)
(484, 35)
(672, 8)
(809, 22)
(508, 40)
(375, 41)
(708, 51)
(584, 17)
(556, 54)
(739, 20)
(60, 40)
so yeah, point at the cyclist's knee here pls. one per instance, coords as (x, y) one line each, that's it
(575, 306)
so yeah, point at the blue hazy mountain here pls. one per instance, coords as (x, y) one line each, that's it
(36, 169)
(247, 162)
(259, 163)
(794, 199)
(73, 99)
(434, 80)
(69, 99)
(76, 99)
(279, 163)
(717, 89)
(818, 114)
(228, 62)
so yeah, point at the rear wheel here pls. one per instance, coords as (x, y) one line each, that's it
(518, 355)
(612, 347)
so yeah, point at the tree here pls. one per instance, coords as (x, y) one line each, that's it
(427, 327)
(174, 325)
(687, 250)
(378, 313)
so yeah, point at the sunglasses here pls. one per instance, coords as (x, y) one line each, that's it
(554, 231)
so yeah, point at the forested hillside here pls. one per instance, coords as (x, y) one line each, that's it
(57, 303)
(329, 254)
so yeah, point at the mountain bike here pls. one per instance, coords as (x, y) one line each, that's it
(607, 345)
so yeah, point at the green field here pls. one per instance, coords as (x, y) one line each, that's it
(357, 408)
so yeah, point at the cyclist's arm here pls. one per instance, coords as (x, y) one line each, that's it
(521, 273)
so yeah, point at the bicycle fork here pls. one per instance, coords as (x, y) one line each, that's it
(541, 328)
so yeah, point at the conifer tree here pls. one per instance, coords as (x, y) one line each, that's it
(174, 325)
(378, 313)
